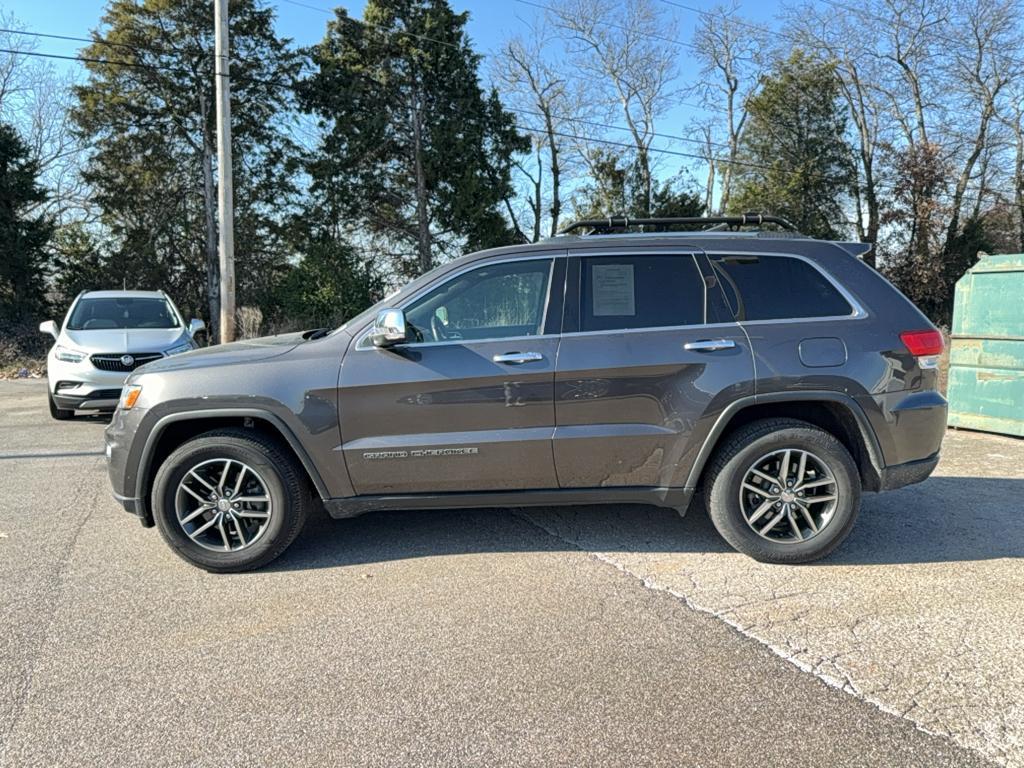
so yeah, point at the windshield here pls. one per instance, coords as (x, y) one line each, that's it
(121, 312)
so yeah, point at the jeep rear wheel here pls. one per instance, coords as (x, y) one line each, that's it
(783, 491)
(230, 500)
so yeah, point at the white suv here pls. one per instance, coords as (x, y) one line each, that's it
(105, 336)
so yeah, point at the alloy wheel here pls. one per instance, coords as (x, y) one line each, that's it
(788, 496)
(223, 505)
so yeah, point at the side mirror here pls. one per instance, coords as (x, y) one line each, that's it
(49, 327)
(195, 326)
(389, 328)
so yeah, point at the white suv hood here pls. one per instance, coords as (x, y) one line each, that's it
(122, 340)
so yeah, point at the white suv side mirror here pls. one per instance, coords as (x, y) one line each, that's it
(195, 326)
(49, 327)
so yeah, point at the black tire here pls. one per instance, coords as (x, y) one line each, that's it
(60, 414)
(741, 450)
(285, 481)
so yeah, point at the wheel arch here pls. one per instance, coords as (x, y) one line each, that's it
(835, 412)
(176, 428)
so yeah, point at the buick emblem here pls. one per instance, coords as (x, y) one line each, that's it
(127, 361)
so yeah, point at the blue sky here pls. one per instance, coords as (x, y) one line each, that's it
(491, 22)
(303, 20)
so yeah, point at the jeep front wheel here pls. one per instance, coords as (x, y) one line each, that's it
(230, 500)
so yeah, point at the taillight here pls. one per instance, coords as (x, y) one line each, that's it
(923, 343)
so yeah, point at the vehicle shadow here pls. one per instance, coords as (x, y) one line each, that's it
(89, 417)
(946, 519)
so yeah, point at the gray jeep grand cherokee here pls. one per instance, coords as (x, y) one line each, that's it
(779, 374)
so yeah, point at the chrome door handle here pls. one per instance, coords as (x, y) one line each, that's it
(515, 358)
(709, 345)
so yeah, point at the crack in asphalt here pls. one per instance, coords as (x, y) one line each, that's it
(841, 680)
(64, 455)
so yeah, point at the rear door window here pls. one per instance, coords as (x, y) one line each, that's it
(776, 288)
(654, 291)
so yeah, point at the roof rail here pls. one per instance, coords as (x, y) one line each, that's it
(604, 226)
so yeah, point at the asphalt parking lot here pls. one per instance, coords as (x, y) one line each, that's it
(576, 636)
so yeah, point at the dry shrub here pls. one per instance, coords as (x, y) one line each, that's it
(248, 322)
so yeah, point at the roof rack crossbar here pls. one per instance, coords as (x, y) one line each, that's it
(624, 222)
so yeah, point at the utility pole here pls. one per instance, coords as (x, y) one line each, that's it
(225, 207)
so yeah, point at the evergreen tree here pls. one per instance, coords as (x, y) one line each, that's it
(414, 151)
(24, 236)
(147, 109)
(604, 193)
(329, 285)
(794, 160)
(616, 188)
(79, 262)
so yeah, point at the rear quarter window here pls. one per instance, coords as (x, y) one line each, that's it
(777, 288)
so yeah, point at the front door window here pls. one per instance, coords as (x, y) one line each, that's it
(496, 301)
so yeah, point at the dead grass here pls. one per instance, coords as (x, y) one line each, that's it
(28, 368)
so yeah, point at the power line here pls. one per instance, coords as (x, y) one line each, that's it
(925, 31)
(372, 25)
(51, 36)
(611, 127)
(141, 65)
(561, 134)
(287, 86)
(156, 67)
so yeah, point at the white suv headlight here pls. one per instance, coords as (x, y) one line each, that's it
(186, 347)
(68, 355)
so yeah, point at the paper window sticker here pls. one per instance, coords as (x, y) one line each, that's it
(613, 290)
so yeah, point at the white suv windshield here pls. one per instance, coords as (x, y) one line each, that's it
(121, 312)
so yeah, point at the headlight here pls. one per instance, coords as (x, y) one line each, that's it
(186, 347)
(129, 395)
(68, 355)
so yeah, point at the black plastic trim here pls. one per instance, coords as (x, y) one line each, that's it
(136, 507)
(900, 475)
(218, 413)
(673, 498)
(867, 433)
(598, 226)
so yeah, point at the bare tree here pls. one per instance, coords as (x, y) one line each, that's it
(709, 150)
(627, 52)
(900, 67)
(850, 45)
(729, 50)
(1012, 117)
(541, 94)
(35, 99)
(979, 72)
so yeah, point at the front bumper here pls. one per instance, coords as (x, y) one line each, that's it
(83, 387)
(118, 436)
(87, 398)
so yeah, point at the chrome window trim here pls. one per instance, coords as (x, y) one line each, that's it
(636, 250)
(858, 313)
(363, 345)
(462, 342)
(653, 329)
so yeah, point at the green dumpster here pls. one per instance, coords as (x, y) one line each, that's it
(986, 359)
